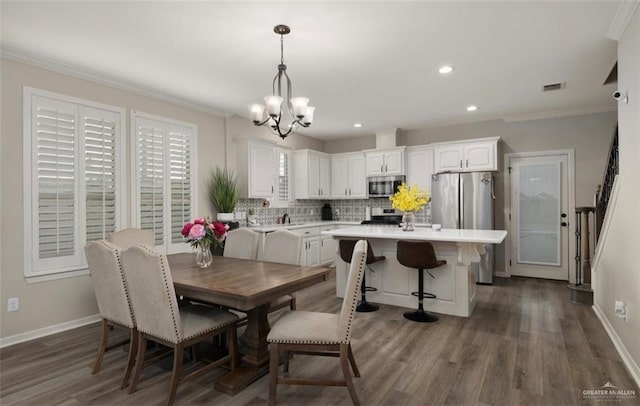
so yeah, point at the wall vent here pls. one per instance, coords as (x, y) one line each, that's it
(554, 86)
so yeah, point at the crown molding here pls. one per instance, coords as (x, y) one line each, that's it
(58, 67)
(621, 19)
(558, 114)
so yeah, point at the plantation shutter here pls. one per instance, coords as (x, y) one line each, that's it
(54, 126)
(150, 158)
(100, 128)
(71, 178)
(165, 183)
(180, 151)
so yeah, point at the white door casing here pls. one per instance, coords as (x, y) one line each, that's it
(539, 188)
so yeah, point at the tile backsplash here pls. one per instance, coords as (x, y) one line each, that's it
(304, 211)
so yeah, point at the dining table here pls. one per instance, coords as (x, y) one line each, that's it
(248, 286)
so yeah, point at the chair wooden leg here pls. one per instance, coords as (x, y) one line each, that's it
(344, 363)
(178, 354)
(352, 361)
(292, 303)
(273, 372)
(142, 348)
(133, 349)
(104, 339)
(287, 357)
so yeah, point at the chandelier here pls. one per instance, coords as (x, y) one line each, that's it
(300, 112)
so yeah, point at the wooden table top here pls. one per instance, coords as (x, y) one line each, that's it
(238, 283)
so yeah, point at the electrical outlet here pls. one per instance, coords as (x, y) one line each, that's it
(13, 304)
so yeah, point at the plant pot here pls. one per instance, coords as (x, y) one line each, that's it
(225, 217)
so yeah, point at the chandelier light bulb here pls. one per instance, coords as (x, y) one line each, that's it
(308, 117)
(256, 112)
(273, 105)
(299, 105)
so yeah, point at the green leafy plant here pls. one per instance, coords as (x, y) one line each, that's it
(252, 212)
(222, 190)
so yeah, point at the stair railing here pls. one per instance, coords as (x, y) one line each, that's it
(604, 190)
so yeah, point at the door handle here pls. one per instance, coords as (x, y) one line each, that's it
(563, 215)
(381, 168)
(345, 191)
(271, 189)
(467, 162)
(461, 163)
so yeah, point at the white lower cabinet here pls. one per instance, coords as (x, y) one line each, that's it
(316, 249)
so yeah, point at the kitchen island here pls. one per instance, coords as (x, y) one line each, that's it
(453, 284)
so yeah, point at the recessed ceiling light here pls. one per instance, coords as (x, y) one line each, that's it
(472, 108)
(446, 69)
(357, 125)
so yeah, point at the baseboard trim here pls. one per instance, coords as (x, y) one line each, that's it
(502, 275)
(628, 361)
(49, 330)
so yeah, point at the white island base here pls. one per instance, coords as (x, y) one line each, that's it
(454, 283)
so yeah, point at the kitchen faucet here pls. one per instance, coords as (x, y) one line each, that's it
(286, 219)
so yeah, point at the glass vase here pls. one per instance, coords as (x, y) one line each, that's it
(204, 258)
(408, 221)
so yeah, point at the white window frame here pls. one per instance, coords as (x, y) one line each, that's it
(275, 201)
(76, 265)
(167, 247)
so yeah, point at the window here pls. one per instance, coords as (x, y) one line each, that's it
(72, 179)
(164, 182)
(282, 196)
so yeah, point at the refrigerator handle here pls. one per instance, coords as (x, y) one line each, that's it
(461, 205)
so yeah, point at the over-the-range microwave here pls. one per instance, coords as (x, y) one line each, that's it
(384, 186)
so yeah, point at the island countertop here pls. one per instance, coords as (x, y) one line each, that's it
(420, 234)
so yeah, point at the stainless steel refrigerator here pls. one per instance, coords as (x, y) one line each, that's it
(465, 200)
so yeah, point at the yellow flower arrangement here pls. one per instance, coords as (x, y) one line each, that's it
(409, 198)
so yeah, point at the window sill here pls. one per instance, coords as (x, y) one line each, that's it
(56, 276)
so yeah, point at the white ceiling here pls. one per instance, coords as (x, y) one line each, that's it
(369, 62)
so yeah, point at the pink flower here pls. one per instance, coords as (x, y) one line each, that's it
(186, 228)
(200, 220)
(197, 231)
(219, 229)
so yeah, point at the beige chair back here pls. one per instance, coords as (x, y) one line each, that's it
(130, 237)
(153, 297)
(282, 246)
(356, 273)
(241, 243)
(109, 283)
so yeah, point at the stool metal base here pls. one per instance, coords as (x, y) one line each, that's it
(365, 307)
(421, 316)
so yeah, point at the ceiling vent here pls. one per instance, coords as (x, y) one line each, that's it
(554, 86)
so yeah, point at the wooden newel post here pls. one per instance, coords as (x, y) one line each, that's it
(584, 257)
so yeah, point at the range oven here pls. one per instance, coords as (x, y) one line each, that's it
(384, 186)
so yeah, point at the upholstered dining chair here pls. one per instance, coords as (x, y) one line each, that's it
(285, 247)
(241, 243)
(315, 333)
(112, 296)
(130, 237)
(159, 318)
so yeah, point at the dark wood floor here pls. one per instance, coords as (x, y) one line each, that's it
(525, 344)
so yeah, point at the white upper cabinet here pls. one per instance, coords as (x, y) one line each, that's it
(420, 166)
(348, 176)
(312, 174)
(385, 162)
(256, 169)
(468, 156)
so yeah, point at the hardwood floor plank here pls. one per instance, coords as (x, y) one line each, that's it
(525, 344)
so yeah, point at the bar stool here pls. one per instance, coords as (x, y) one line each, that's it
(420, 255)
(346, 251)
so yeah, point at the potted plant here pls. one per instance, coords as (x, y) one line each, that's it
(223, 193)
(252, 219)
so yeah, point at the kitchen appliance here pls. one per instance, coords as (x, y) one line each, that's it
(325, 212)
(384, 186)
(384, 217)
(465, 200)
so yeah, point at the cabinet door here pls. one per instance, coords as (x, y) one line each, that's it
(324, 169)
(394, 162)
(314, 176)
(480, 156)
(420, 167)
(448, 158)
(375, 163)
(357, 177)
(261, 171)
(313, 251)
(339, 179)
(327, 250)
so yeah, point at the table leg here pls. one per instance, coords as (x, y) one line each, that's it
(256, 357)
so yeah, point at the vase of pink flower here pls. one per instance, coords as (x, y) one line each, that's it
(203, 234)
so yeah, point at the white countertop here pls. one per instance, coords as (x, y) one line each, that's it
(420, 234)
(266, 228)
